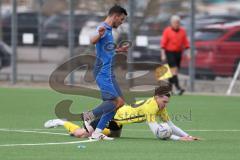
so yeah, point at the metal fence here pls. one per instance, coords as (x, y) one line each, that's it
(42, 35)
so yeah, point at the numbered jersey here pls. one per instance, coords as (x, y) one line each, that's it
(144, 110)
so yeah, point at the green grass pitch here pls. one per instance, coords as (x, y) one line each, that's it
(213, 118)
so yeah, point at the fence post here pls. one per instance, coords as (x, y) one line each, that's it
(130, 38)
(14, 39)
(192, 61)
(71, 35)
(40, 28)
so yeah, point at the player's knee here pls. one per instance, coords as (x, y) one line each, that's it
(81, 133)
(119, 103)
(78, 134)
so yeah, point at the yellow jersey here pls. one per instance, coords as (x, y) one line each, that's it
(144, 110)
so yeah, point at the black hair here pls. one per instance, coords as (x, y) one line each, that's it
(163, 88)
(118, 10)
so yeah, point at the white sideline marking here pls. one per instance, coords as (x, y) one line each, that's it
(28, 131)
(37, 130)
(209, 130)
(191, 130)
(84, 141)
(45, 144)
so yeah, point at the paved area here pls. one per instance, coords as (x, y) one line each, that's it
(30, 69)
(48, 54)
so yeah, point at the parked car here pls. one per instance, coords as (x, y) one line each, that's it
(203, 20)
(151, 56)
(27, 23)
(5, 55)
(56, 28)
(217, 50)
(147, 52)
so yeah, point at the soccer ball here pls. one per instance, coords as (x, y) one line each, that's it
(164, 131)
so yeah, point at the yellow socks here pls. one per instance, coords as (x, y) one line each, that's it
(106, 131)
(70, 127)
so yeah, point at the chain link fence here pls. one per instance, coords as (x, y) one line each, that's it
(51, 32)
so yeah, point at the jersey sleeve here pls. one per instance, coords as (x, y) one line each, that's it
(164, 39)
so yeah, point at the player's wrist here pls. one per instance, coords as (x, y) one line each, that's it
(100, 35)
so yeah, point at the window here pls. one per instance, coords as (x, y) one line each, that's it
(235, 37)
(208, 34)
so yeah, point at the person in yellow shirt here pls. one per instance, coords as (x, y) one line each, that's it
(144, 110)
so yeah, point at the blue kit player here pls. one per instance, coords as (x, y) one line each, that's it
(103, 72)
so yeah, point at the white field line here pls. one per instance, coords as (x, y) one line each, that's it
(212, 130)
(30, 131)
(192, 130)
(45, 144)
(40, 144)
(38, 130)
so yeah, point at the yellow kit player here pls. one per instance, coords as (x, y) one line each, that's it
(144, 110)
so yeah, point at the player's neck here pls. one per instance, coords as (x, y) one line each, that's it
(109, 21)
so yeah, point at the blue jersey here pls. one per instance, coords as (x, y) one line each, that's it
(105, 54)
(103, 69)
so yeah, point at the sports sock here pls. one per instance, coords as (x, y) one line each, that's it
(104, 120)
(105, 107)
(70, 127)
(106, 131)
(98, 130)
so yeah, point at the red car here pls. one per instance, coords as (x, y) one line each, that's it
(217, 50)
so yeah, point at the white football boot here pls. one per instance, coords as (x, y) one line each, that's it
(53, 123)
(100, 136)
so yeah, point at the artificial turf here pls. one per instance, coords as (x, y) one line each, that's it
(215, 119)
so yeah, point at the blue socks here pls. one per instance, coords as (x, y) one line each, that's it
(105, 119)
(105, 107)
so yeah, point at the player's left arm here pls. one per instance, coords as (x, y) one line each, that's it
(186, 45)
(179, 132)
(176, 130)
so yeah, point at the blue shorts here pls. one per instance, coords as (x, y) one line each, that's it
(109, 88)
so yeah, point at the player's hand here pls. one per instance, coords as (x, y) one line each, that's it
(163, 56)
(123, 48)
(101, 31)
(194, 138)
(187, 138)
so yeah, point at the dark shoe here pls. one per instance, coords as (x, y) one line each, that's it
(179, 92)
(87, 118)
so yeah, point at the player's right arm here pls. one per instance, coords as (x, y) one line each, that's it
(154, 127)
(96, 37)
